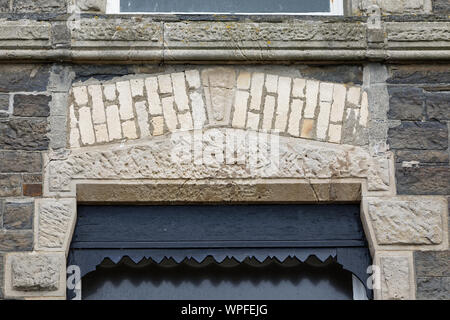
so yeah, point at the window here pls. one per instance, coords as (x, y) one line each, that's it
(298, 7)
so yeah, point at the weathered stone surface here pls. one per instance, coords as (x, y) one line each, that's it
(35, 272)
(395, 278)
(4, 102)
(10, 185)
(350, 74)
(415, 74)
(16, 240)
(406, 103)
(423, 180)
(2, 272)
(54, 219)
(38, 6)
(153, 160)
(32, 190)
(133, 29)
(4, 7)
(441, 7)
(419, 135)
(422, 156)
(19, 161)
(432, 263)
(433, 288)
(438, 105)
(31, 105)
(24, 134)
(402, 221)
(417, 31)
(18, 215)
(26, 77)
(24, 30)
(231, 31)
(92, 5)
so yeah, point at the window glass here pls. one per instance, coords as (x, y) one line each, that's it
(229, 6)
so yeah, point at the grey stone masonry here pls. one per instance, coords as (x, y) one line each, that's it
(433, 275)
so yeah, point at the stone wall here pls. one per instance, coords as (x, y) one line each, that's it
(419, 135)
(349, 129)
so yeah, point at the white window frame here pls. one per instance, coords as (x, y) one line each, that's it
(336, 9)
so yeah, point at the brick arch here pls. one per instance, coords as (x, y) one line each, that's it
(142, 107)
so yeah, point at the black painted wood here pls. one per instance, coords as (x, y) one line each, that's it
(218, 226)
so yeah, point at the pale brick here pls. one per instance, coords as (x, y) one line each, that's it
(240, 109)
(137, 87)
(364, 115)
(269, 110)
(85, 124)
(323, 120)
(109, 90)
(295, 117)
(113, 121)
(271, 83)
(129, 129)
(125, 101)
(165, 83)
(353, 95)
(74, 138)
(334, 133)
(185, 120)
(298, 88)
(312, 91)
(193, 79)
(253, 120)
(338, 106)
(179, 91)
(98, 108)
(256, 91)
(198, 110)
(169, 113)
(73, 118)
(80, 95)
(284, 94)
(243, 80)
(158, 125)
(154, 102)
(351, 113)
(142, 118)
(307, 128)
(101, 133)
(326, 92)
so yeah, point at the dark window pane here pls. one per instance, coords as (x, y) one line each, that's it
(229, 6)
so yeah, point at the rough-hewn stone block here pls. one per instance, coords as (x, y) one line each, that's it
(432, 180)
(415, 74)
(441, 7)
(433, 288)
(39, 6)
(4, 7)
(16, 240)
(24, 77)
(350, 74)
(18, 215)
(32, 190)
(24, 134)
(438, 105)
(406, 103)
(35, 272)
(31, 105)
(4, 102)
(423, 156)
(19, 161)
(431, 135)
(407, 221)
(432, 263)
(396, 276)
(10, 185)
